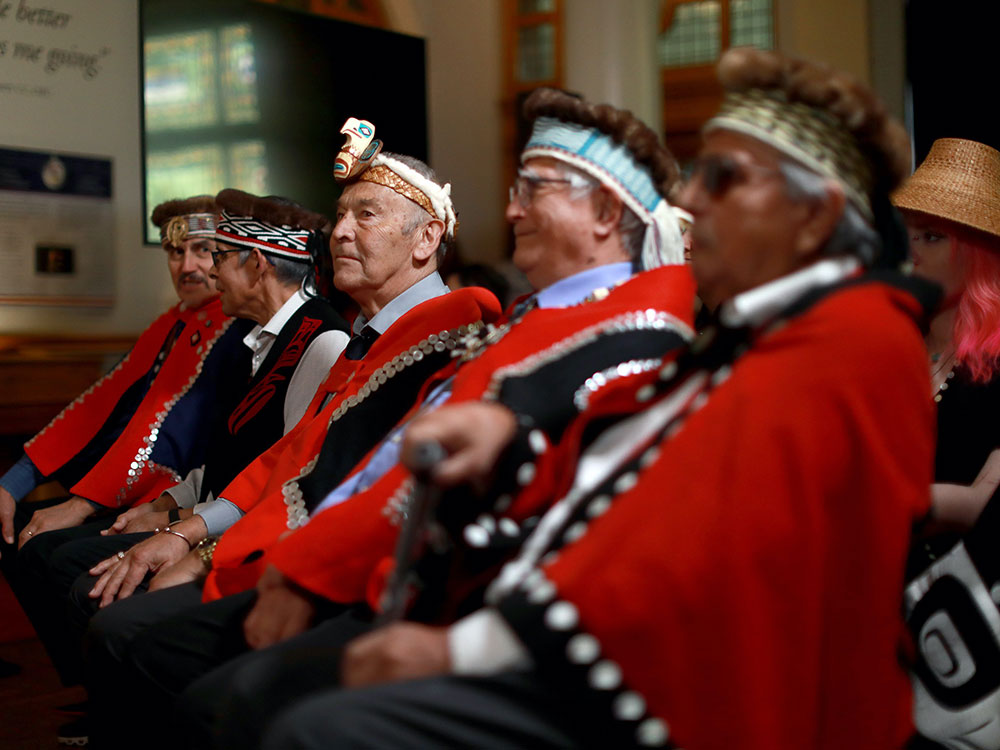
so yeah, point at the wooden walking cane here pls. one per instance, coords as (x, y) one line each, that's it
(426, 495)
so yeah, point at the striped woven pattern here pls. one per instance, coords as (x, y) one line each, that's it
(807, 134)
(598, 149)
(382, 175)
(958, 181)
(254, 234)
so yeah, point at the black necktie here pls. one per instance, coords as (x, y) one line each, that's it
(360, 343)
(523, 307)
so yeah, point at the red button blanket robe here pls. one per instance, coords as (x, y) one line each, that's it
(262, 488)
(342, 553)
(154, 450)
(737, 584)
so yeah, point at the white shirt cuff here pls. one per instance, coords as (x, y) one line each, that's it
(483, 643)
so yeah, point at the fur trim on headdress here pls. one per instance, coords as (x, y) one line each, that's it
(185, 219)
(273, 210)
(881, 140)
(621, 125)
(200, 204)
(433, 198)
(618, 151)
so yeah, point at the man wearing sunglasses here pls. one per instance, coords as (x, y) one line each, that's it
(723, 563)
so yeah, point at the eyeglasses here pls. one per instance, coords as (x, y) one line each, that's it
(524, 187)
(217, 256)
(720, 173)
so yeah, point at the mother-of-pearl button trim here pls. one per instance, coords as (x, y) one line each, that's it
(140, 462)
(631, 321)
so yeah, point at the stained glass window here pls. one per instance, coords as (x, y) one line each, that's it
(171, 174)
(751, 24)
(248, 166)
(180, 81)
(238, 76)
(695, 36)
(526, 7)
(198, 85)
(536, 52)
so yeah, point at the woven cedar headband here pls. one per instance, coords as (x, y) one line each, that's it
(803, 132)
(959, 181)
(360, 158)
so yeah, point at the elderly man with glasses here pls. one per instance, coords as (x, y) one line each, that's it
(394, 222)
(719, 556)
(596, 236)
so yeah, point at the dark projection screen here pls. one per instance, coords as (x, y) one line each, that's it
(252, 96)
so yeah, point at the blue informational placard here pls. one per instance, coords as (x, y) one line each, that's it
(56, 229)
(51, 173)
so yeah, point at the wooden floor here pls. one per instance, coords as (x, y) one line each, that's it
(28, 716)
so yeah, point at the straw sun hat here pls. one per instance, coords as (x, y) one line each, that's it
(958, 181)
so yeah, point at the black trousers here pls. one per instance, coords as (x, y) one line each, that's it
(52, 565)
(42, 573)
(289, 693)
(123, 707)
(233, 703)
(144, 651)
(508, 710)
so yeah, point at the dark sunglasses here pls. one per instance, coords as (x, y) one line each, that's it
(720, 173)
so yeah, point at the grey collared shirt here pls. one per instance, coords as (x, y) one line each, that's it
(429, 287)
(222, 514)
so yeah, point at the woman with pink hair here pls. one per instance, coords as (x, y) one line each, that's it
(951, 206)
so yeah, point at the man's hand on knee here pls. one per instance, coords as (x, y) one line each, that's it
(123, 572)
(7, 505)
(65, 515)
(282, 610)
(401, 651)
(189, 569)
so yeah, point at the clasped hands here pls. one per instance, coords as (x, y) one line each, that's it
(169, 556)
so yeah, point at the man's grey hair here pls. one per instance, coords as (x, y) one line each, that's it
(418, 215)
(631, 230)
(852, 235)
(287, 272)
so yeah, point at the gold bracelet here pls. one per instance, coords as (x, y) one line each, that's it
(206, 548)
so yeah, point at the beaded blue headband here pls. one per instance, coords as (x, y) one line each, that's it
(613, 165)
(254, 234)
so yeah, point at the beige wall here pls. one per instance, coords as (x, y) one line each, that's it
(610, 56)
(888, 52)
(100, 120)
(834, 31)
(463, 97)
